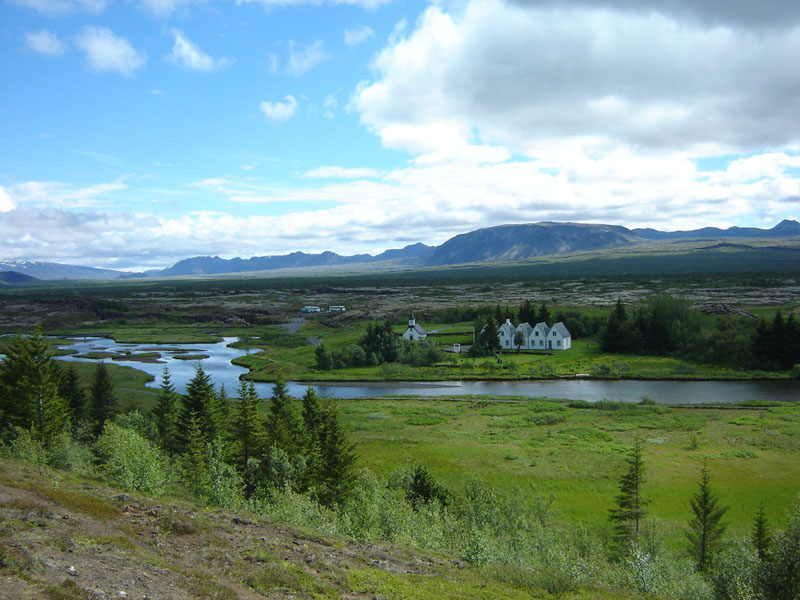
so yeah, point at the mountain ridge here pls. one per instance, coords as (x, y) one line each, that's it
(500, 243)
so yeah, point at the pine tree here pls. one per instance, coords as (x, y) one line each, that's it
(706, 527)
(613, 336)
(312, 414)
(544, 313)
(761, 535)
(248, 433)
(195, 458)
(201, 404)
(527, 314)
(628, 514)
(281, 425)
(29, 395)
(334, 477)
(166, 414)
(102, 401)
(224, 414)
(69, 388)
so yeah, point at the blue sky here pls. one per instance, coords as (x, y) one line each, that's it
(139, 132)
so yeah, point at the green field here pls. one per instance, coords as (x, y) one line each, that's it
(537, 448)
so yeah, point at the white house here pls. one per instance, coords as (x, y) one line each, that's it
(559, 338)
(538, 337)
(506, 333)
(414, 332)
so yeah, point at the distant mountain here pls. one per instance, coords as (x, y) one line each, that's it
(49, 271)
(418, 250)
(785, 228)
(15, 278)
(214, 265)
(492, 244)
(517, 242)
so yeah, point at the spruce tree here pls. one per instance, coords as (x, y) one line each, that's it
(705, 527)
(248, 433)
(102, 402)
(629, 512)
(166, 414)
(201, 404)
(29, 395)
(195, 458)
(761, 535)
(527, 314)
(612, 338)
(281, 424)
(69, 388)
(337, 458)
(544, 313)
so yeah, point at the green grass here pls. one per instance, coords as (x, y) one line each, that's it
(577, 455)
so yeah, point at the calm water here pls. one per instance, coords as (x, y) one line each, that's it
(218, 366)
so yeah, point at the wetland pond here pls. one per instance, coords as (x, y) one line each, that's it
(182, 359)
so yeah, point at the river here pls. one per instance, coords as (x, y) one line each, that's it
(218, 366)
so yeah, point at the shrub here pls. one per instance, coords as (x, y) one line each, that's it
(130, 461)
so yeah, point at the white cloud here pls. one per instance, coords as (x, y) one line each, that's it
(523, 75)
(164, 8)
(108, 52)
(357, 210)
(44, 42)
(354, 37)
(52, 8)
(339, 173)
(304, 58)
(6, 203)
(188, 54)
(62, 195)
(366, 4)
(278, 112)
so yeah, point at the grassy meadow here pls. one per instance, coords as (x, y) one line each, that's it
(540, 448)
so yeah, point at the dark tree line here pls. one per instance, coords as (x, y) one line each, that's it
(668, 326)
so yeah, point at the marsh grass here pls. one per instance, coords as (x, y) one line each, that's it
(577, 454)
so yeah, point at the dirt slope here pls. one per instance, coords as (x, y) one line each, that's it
(64, 538)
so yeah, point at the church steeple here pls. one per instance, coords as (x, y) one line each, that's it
(412, 321)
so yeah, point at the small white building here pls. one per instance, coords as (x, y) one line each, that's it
(505, 334)
(559, 338)
(414, 332)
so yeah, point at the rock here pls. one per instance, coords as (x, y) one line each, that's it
(72, 571)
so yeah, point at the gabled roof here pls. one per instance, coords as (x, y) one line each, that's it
(416, 328)
(525, 328)
(561, 329)
(542, 326)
